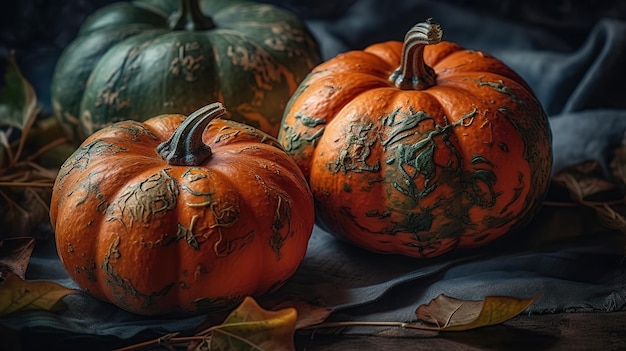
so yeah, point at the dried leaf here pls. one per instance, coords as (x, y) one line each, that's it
(250, 327)
(25, 211)
(584, 180)
(308, 313)
(611, 218)
(446, 313)
(18, 101)
(17, 294)
(15, 255)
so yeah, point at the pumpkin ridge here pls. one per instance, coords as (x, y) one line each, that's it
(219, 209)
(448, 70)
(482, 115)
(222, 167)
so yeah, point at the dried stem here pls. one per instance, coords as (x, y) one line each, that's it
(51, 145)
(22, 141)
(206, 333)
(404, 325)
(17, 168)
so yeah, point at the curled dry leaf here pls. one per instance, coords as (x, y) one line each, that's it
(14, 256)
(17, 294)
(446, 313)
(584, 180)
(250, 327)
(308, 313)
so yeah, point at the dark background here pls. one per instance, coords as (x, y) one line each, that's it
(38, 30)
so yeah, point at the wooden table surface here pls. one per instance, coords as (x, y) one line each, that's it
(555, 332)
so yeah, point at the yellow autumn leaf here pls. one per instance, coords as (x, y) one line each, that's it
(250, 327)
(21, 295)
(446, 313)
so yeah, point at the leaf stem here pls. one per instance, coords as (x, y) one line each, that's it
(404, 325)
(22, 142)
(206, 334)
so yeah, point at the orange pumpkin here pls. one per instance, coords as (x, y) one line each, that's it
(180, 214)
(419, 147)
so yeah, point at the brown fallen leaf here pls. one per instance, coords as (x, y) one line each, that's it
(14, 255)
(308, 313)
(585, 181)
(445, 313)
(588, 187)
(250, 327)
(17, 294)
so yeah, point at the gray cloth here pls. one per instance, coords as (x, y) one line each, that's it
(364, 286)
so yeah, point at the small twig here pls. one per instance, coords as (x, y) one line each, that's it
(38, 198)
(51, 145)
(47, 172)
(13, 203)
(403, 325)
(25, 131)
(164, 340)
(206, 334)
(7, 198)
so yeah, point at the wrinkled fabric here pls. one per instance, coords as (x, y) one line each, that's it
(581, 89)
(579, 83)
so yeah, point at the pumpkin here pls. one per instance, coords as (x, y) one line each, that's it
(180, 215)
(135, 60)
(419, 147)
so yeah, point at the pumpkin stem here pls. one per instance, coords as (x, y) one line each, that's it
(189, 16)
(413, 73)
(185, 147)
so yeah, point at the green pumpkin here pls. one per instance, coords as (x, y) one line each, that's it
(134, 60)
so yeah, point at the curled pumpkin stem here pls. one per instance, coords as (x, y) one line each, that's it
(185, 147)
(413, 73)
